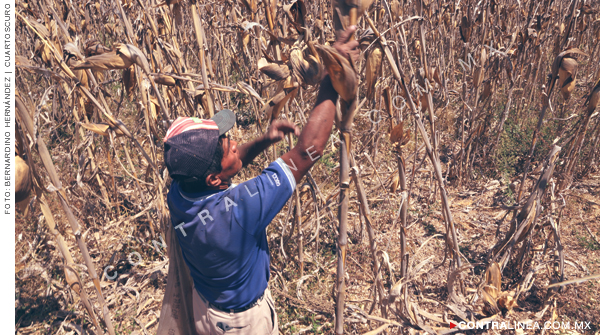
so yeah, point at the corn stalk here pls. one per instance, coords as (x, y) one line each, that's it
(52, 173)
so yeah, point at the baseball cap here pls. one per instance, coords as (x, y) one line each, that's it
(191, 142)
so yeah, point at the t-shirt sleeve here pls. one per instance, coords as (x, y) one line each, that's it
(258, 200)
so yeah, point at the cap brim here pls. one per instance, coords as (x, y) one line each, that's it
(225, 120)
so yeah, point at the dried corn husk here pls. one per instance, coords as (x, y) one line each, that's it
(132, 52)
(556, 65)
(396, 10)
(42, 51)
(122, 57)
(306, 69)
(106, 61)
(434, 76)
(373, 71)
(342, 10)
(296, 11)
(507, 301)
(478, 76)
(70, 50)
(395, 182)
(167, 3)
(594, 97)
(23, 179)
(154, 107)
(93, 47)
(164, 79)
(566, 76)
(20, 60)
(465, 29)
(272, 70)
(341, 71)
(251, 5)
(397, 135)
(493, 280)
(129, 80)
(487, 89)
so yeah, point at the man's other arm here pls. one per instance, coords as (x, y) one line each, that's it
(275, 133)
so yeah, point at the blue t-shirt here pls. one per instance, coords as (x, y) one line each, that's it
(222, 234)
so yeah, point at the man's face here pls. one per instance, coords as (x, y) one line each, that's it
(231, 163)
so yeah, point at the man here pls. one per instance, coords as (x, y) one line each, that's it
(220, 226)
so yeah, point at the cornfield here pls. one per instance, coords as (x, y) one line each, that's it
(460, 182)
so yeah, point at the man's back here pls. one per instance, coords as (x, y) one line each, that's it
(222, 234)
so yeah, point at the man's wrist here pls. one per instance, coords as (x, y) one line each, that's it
(327, 91)
(264, 139)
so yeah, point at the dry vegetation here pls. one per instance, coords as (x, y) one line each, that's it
(468, 142)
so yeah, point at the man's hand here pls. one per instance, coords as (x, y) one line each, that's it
(275, 133)
(346, 47)
(279, 128)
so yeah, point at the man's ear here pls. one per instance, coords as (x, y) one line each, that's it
(212, 180)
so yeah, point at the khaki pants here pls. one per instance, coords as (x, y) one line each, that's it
(258, 320)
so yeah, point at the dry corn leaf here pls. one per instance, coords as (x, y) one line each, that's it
(248, 90)
(102, 128)
(341, 71)
(274, 106)
(373, 71)
(272, 70)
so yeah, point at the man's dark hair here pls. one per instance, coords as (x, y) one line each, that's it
(214, 167)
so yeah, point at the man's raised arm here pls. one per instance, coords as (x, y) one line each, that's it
(315, 133)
